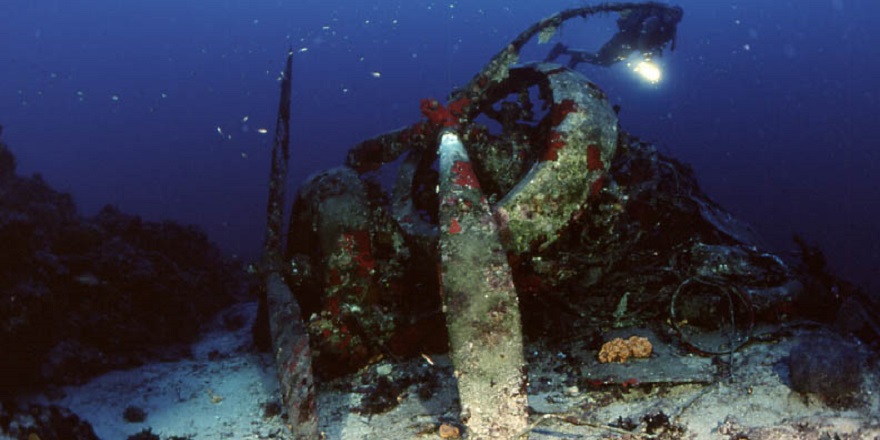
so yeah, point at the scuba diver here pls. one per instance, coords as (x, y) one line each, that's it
(645, 29)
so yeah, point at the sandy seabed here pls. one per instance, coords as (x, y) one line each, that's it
(227, 390)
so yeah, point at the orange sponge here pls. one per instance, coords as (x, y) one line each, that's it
(619, 350)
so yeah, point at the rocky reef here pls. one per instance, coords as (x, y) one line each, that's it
(80, 296)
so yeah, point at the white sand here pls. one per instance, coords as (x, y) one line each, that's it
(203, 398)
(198, 398)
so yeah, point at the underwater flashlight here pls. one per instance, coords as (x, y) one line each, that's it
(647, 70)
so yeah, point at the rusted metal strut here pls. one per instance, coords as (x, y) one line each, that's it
(290, 340)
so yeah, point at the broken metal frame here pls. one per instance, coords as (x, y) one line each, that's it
(501, 326)
(290, 339)
(498, 68)
(572, 149)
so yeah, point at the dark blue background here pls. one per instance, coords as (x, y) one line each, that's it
(774, 103)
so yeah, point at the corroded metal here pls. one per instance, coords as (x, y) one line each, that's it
(293, 358)
(576, 154)
(558, 220)
(336, 241)
(272, 248)
(497, 70)
(480, 303)
(290, 341)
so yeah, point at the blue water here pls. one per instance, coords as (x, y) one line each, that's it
(774, 103)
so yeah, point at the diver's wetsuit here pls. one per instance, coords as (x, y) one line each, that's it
(645, 29)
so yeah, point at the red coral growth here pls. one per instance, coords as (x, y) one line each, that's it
(334, 278)
(465, 175)
(596, 186)
(357, 245)
(595, 383)
(444, 116)
(458, 106)
(594, 158)
(333, 306)
(435, 112)
(297, 349)
(631, 382)
(345, 337)
(454, 226)
(561, 110)
(554, 144)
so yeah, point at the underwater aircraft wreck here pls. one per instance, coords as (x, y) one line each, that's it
(520, 213)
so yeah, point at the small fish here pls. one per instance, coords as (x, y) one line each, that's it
(427, 359)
